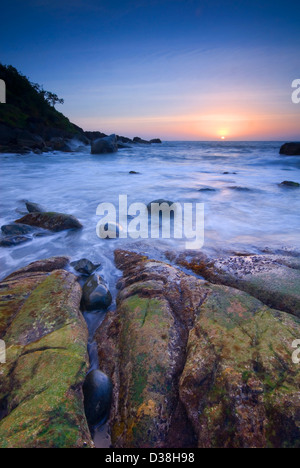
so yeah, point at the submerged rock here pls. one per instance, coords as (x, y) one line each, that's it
(85, 267)
(105, 145)
(17, 229)
(290, 149)
(97, 390)
(12, 241)
(288, 183)
(51, 221)
(96, 294)
(46, 343)
(183, 353)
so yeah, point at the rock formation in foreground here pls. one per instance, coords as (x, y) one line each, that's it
(198, 364)
(41, 400)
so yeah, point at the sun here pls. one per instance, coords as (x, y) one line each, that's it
(222, 138)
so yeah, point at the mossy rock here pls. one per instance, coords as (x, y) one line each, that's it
(216, 356)
(46, 342)
(240, 386)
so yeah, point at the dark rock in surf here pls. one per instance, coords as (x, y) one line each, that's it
(105, 145)
(156, 140)
(160, 202)
(17, 229)
(55, 222)
(12, 241)
(96, 294)
(97, 390)
(34, 208)
(290, 149)
(288, 183)
(141, 141)
(84, 266)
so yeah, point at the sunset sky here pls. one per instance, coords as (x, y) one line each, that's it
(174, 69)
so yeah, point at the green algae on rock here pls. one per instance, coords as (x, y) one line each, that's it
(45, 334)
(192, 357)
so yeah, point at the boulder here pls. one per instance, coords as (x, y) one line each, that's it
(288, 183)
(96, 294)
(156, 141)
(140, 141)
(290, 149)
(51, 221)
(97, 390)
(34, 208)
(85, 267)
(17, 229)
(196, 364)
(105, 145)
(13, 241)
(41, 398)
(59, 144)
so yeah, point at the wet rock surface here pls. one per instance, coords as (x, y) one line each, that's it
(97, 391)
(51, 221)
(197, 364)
(290, 149)
(274, 279)
(85, 267)
(45, 334)
(96, 294)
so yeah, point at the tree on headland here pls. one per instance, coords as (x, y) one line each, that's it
(29, 106)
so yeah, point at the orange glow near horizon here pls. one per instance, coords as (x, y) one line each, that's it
(253, 124)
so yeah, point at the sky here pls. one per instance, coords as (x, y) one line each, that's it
(174, 69)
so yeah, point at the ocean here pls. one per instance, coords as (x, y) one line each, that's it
(238, 182)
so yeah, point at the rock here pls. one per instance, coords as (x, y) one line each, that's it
(12, 241)
(34, 208)
(92, 136)
(96, 294)
(134, 173)
(17, 229)
(239, 385)
(122, 145)
(59, 144)
(125, 140)
(51, 221)
(290, 149)
(198, 362)
(156, 140)
(207, 189)
(97, 390)
(270, 278)
(27, 139)
(46, 337)
(105, 145)
(42, 266)
(140, 141)
(160, 202)
(288, 183)
(85, 267)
